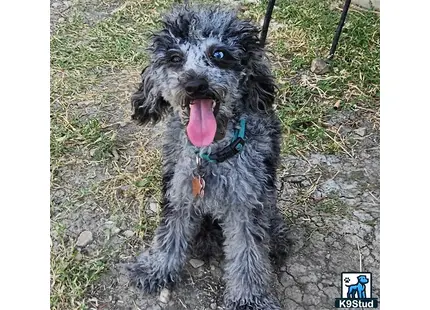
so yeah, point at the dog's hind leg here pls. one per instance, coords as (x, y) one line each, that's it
(166, 257)
(248, 270)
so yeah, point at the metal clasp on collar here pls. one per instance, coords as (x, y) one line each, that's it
(237, 145)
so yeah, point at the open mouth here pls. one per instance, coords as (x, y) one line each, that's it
(202, 126)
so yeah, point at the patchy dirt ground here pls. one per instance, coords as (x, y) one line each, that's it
(105, 169)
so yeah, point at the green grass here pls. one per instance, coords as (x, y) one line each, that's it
(304, 31)
(71, 273)
(73, 136)
(87, 64)
(332, 205)
(80, 54)
(94, 67)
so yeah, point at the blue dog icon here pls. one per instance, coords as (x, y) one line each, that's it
(358, 290)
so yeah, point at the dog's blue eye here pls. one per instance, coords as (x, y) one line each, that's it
(218, 55)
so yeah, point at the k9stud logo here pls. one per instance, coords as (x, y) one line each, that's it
(356, 291)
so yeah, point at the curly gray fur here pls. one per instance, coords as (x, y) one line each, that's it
(240, 193)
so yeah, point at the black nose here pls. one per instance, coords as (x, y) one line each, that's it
(196, 87)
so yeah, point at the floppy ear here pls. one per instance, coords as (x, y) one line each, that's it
(147, 102)
(260, 82)
(261, 86)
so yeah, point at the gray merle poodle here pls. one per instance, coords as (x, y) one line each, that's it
(209, 75)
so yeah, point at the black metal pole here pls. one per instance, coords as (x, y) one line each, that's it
(339, 29)
(267, 18)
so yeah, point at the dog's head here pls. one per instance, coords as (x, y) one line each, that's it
(362, 279)
(205, 64)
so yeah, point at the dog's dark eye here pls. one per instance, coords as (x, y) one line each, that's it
(175, 59)
(218, 54)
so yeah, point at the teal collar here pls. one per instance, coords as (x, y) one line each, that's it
(236, 146)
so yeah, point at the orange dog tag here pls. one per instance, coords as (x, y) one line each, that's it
(198, 185)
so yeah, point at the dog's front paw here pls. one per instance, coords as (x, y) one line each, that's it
(147, 275)
(256, 303)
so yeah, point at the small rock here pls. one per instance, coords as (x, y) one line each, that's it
(67, 4)
(61, 20)
(115, 230)
(283, 268)
(164, 296)
(85, 238)
(217, 273)
(319, 66)
(153, 207)
(317, 195)
(306, 183)
(128, 233)
(295, 178)
(93, 152)
(213, 306)
(78, 257)
(56, 5)
(360, 131)
(196, 263)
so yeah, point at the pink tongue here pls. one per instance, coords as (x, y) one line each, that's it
(201, 128)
